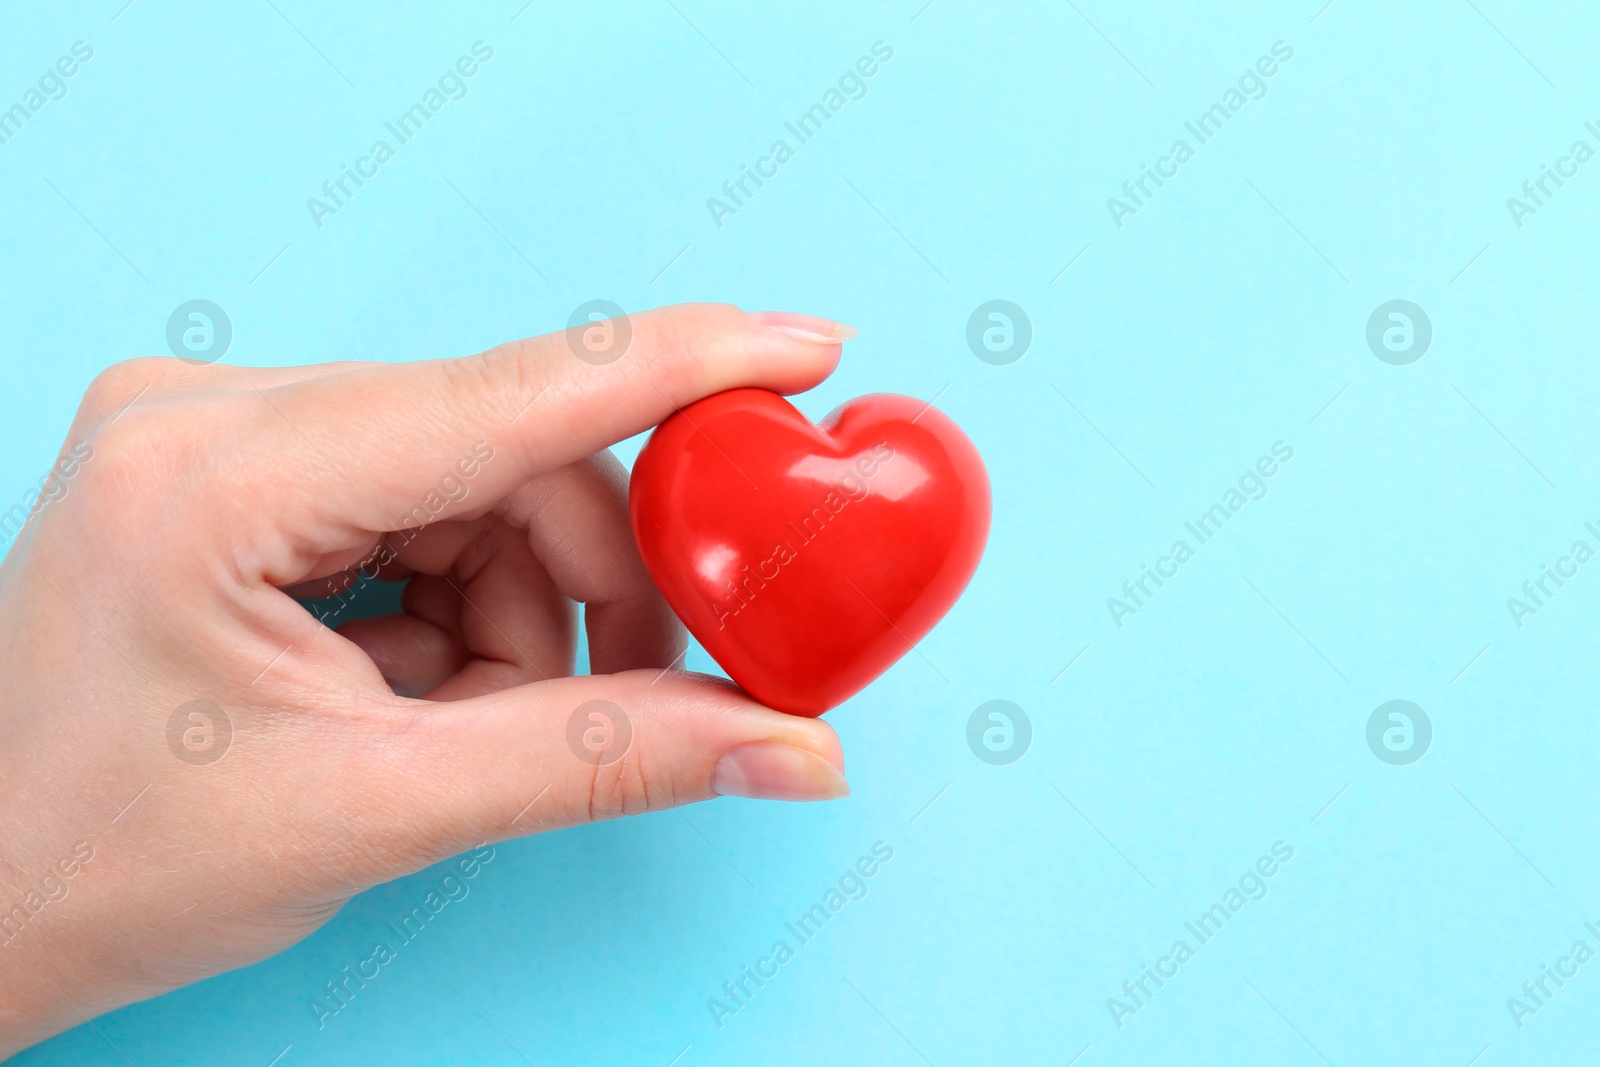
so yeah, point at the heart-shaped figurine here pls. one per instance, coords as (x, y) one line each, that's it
(807, 559)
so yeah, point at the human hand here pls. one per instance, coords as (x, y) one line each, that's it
(152, 841)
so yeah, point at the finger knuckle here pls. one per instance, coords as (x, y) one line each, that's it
(502, 377)
(163, 454)
(625, 787)
(128, 449)
(120, 384)
(686, 335)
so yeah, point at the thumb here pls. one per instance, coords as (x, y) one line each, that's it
(575, 750)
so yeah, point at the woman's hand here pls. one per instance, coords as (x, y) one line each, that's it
(195, 773)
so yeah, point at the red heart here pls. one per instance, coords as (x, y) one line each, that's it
(807, 559)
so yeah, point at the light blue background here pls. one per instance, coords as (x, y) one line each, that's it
(1220, 319)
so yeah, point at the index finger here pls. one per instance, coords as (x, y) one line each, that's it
(378, 441)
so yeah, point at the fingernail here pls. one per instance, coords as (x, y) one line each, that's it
(805, 327)
(772, 770)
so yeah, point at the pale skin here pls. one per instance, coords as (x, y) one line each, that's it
(167, 574)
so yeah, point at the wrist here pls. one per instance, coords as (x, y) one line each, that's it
(42, 986)
(33, 1003)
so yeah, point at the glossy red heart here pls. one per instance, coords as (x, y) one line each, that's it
(807, 559)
